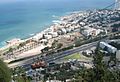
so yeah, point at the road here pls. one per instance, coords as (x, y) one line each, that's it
(59, 55)
(72, 51)
(56, 55)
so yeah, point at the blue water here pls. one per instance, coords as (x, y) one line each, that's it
(19, 19)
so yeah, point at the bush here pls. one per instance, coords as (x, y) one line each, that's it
(5, 75)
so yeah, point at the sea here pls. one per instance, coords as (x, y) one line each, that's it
(23, 18)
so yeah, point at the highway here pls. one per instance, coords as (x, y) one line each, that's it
(72, 51)
(55, 56)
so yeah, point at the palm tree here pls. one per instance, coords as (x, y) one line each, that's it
(59, 45)
(10, 51)
(5, 75)
(22, 44)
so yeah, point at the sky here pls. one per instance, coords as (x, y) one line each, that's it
(6, 1)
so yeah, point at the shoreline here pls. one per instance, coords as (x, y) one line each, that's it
(60, 30)
(53, 22)
(44, 31)
(56, 20)
(44, 27)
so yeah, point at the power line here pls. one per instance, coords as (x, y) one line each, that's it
(96, 12)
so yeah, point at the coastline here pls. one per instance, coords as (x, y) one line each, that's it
(57, 20)
(38, 49)
(17, 23)
(64, 30)
(44, 27)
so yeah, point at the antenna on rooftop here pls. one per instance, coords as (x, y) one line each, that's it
(117, 4)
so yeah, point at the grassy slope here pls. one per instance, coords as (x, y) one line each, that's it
(73, 56)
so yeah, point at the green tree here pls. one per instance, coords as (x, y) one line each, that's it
(59, 45)
(5, 75)
(22, 44)
(10, 49)
(45, 49)
(99, 68)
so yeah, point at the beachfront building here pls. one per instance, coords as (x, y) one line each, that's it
(37, 37)
(43, 41)
(54, 34)
(47, 36)
(14, 41)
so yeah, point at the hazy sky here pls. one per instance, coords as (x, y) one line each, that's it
(5, 1)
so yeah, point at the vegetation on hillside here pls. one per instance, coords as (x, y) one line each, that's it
(5, 75)
(100, 72)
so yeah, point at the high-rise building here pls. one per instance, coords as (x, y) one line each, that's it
(117, 4)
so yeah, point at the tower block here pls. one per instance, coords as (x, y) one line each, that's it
(117, 4)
